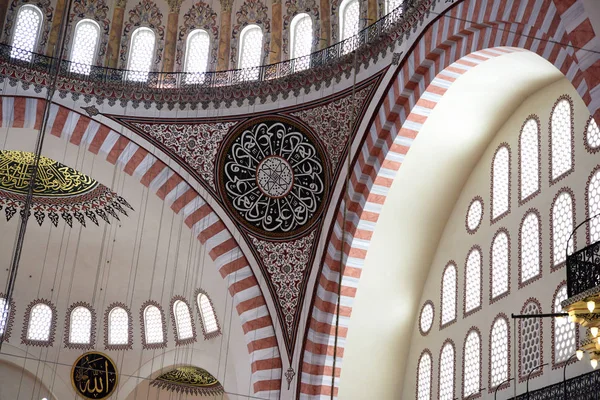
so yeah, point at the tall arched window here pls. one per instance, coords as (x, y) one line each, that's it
(140, 54)
(251, 44)
(118, 325)
(473, 281)
(561, 139)
(593, 205)
(153, 326)
(424, 376)
(26, 33)
(182, 320)
(563, 331)
(40, 319)
(530, 251)
(196, 55)
(349, 15)
(85, 43)
(563, 221)
(472, 363)
(592, 136)
(446, 378)
(529, 159)
(301, 39)
(530, 341)
(210, 325)
(7, 313)
(80, 319)
(499, 351)
(501, 182)
(448, 314)
(391, 5)
(500, 265)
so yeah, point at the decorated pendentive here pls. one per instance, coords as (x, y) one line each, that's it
(189, 380)
(94, 376)
(59, 192)
(273, 176)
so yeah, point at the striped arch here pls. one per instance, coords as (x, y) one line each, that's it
(78, 129)
(448, 48)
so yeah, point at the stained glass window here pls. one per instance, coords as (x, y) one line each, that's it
(446, 382)
(561, 139)
(562, 227)
(196, 56)
(183, 320)
(529, 251)
(499, 356)
(141, 54)
(25, 35)
(593, 193)
(153, 325)
(424, 377)
(85, 42)
(80, 329)
(564, 330)
(500, 182)
(118, 326)
(449, 294)
(471, 364)
(500, 264)
(40, 323)
(209, 320)
(251, 42)
(529, 159)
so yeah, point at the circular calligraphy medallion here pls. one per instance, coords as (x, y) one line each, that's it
(94, 376)
(273, 176)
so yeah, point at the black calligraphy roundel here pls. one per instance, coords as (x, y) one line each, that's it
(94, 376)
(273, 176)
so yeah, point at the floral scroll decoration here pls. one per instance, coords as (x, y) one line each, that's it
(145, 13)
(200, 16)
(96, 10)
(251, 12)
(44, 5)
(273, 177)
(295, 7)
(60, 191)
(189, 380)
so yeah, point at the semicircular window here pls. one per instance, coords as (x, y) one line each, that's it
(59, 192)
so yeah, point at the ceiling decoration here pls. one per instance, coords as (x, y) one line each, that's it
(273, 177)
(189, 380)
(59, 191)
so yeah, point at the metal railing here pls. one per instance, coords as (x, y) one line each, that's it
(582, 387)
(583, 266)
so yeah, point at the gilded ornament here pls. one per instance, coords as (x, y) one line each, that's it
(94, 376)
(190, 380)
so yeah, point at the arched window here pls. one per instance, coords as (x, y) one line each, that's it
(210, 325)
(196, 55)
(473, 281)
(530, 341)
(501, 182)
(251, 43)
(391, 5)
(301, 39)
(448, 314)
(472, 363)
(349, 23)
(118, 325)
(593, 206)
(563, 331)
(561, 139)
(26, 33)
(7, 314)
(500, 265)
(592, 136)
(85, 43)
(530, 251)
(499, 351)
(81, 320)
(153, 326)
(424, 376)
(563, 221)
(40, 319)
(529, 159)
(140, 54)
(446, 378)
(182, 319)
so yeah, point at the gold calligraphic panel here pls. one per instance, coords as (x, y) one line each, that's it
(94, 376)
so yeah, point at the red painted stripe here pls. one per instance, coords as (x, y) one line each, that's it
(19, 112)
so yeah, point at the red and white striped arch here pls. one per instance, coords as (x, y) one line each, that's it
(80, 130)
(448, 48)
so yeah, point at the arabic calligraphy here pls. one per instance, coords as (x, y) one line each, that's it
(94, 376)
(191, 380)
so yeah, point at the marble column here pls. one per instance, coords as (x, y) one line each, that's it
(371, 12)
(225, 36)
(55, 28)
(114, 37)
(4, 4)
(171, 36)
(325, 11)
(276, 28)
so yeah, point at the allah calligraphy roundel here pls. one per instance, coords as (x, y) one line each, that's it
(94, 376)
(273, 176)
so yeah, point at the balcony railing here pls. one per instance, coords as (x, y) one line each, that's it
(583, 266)
(582, 387)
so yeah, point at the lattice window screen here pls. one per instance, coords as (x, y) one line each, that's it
(3, 315)
(154, 325)
(473, 281)
(529, 158)
(561, 137)
(474, 214)
(562, 226)
(183, 320)
(118, 326)
(530, 247)
(80, 330)
(446, 383)
(40, 322)
(424, 378)
(500, 182)
(449, 294)
(564, 331)
(500, 265)
(499, 352)
(26, 31)
(593, 134)
(251, 41)
(209, 319)
(302, 35)
(141, 54)
(426, 319)
(391, 5)
(594, 207)
(196, 58)
(530, 341)
(471, 364)
(85, 42)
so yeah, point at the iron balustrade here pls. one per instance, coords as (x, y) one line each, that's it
(582, 387)
(583, 266)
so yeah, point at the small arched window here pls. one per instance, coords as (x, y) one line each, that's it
(448, 314)
(210, 325)
(80, 320)
(473, 281)
(196, 55)
(153, 326)
(40, 319)
(563, 221)
(118, 324)
(424, 376)
(85, 43)
(530, 341)
(140, 54)
(501, 182)
(7, 313)
(561, 139)
(499, 352)
(391, 5)
(593, 205)
(301, 39)
(184, 329)
(529, 159)
(530, 251)
(472, 363)
(563, 331)
(500, 263)
(446, 378)
(592, 136)
(26, 33)
(251, 43)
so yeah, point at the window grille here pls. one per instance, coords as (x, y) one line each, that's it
(251, 43)
(118, 326)
(592, 135)
(564, 345)
(530, 332)
(449, 294)
(4, 309)
(529, 251)
(500, 264)
(500, 182)
(207, 312)
(153, 324)
(446, 380)
(27, 30)
(196, 56)
(40, 323)
(85, 42)
(593, 193)
(141, 54)
(474, 215)
(472, 364)
(424, 377)
(391, 5)
(529, 176)
(301, 40)
(499, 356)
(473, 281)
(561, 139)
(80, 329)
(562, 227)
(349, 23)
(183, 320)
(426, 320)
